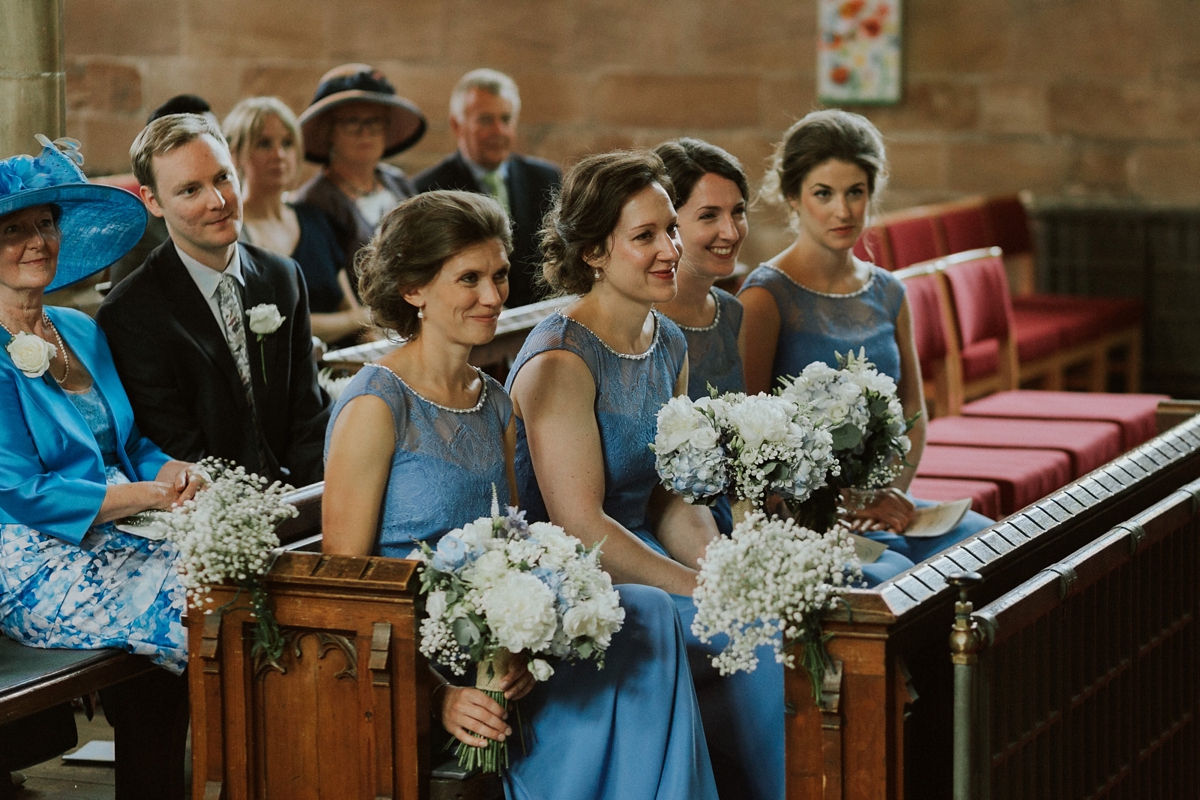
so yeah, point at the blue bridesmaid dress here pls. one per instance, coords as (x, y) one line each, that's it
(631, 731)
(743, 712)
(815, 325)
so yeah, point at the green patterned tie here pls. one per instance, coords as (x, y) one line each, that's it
(494, 183)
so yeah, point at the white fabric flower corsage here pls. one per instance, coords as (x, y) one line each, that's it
(264, 319)
(31, 354)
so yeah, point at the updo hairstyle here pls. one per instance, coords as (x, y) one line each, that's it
(414, 240)
(688, 160)
(586, 211)
(815, 139)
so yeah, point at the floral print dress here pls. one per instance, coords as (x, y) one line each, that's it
(112, 590)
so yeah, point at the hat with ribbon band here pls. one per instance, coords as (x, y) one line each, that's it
(99, 224)
(351, 83)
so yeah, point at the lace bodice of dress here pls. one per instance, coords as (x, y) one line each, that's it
(446, 460)
(814, 325)
(629, 392)
(713, 357)
(92, 406)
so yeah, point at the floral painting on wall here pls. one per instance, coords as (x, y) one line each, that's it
(858, 51)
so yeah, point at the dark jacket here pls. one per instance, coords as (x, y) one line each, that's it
(183, 382)
(531, 185)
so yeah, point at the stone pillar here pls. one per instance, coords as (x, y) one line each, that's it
(32, 76)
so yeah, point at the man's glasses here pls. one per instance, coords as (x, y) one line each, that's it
(360, 125)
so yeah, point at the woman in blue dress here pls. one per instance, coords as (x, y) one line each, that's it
(815, 298)
(72, 461)
(416, 444)
(711, 192)
(587, 387)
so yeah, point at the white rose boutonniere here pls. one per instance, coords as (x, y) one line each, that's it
(31, 354)
(264, 319)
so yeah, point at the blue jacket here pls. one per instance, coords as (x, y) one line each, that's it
(51, 470)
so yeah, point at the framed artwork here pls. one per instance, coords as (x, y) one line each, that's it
(858, 51)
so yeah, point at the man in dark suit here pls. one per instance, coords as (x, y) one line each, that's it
(483, 118)
(212, 337)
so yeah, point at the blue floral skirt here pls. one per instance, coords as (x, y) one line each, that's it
(111, 590)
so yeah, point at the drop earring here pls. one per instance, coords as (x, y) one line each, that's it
(420, 313)
(596, 274)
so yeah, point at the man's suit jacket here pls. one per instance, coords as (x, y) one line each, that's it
(531, 184)
(51, 468)
(183, 382)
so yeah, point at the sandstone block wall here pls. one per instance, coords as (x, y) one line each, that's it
(1098, 99)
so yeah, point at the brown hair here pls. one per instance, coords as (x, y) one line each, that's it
(587, 209)
(817, 138)
(414, 240)
(244, 124)
(688, 160)
(165, 134)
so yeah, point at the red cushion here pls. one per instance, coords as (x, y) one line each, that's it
(873, 246)
(1072, 325)
(1103, 314)
(985, 495)
(926, 309)
(1133, 412)
(1089, 444)
(1009, 224)
(1039, 334)
(1024, 476)
(965, 229)
(913, 241)
(980, 360)
(979, 289)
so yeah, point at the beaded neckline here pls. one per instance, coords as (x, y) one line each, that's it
(478, 404)
(866, 286)
(618, 354)
(716, 317)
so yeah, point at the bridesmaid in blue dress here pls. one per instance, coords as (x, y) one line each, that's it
(587, 387)
(711, 192)
(416, 443)
(815, 298)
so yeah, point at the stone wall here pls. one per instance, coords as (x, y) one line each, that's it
(1098, 99)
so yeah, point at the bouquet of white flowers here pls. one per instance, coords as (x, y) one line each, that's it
(227, 533)
(862, 412)
(690, 451)
(500, 586)
(769, 583)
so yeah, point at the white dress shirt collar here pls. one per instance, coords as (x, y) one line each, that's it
(208, 279)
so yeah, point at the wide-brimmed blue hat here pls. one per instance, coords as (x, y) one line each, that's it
(99, 224)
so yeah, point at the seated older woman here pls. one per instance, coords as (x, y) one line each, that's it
(71, 459)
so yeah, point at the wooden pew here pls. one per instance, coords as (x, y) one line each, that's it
(883, 727)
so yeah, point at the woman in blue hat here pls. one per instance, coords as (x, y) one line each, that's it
(71, 459)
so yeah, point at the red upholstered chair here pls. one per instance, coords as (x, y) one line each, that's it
(985, 495)
(941, 369)
(1087, 444)
(1023, 476)
(873, 246)
(1008, 225)
(964, 226)
(1134, 413)
(914, 240)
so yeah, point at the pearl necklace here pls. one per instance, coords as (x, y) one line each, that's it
(62, 348)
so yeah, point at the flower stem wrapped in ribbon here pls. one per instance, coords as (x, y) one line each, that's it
(501, 586)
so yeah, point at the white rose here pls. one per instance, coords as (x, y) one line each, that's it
(264, 319)
(520, 612)
(597, 619)
(704, 437)
(435, 604)
(31, 354)
(488, 569)
(676, 421)
(477, 532)
(540, 669)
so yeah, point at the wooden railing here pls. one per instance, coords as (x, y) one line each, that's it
(1085, 676)
(883, 728)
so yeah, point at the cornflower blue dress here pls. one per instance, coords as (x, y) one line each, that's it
(631, 730)
(743, 712)
(814, 325)
(71, 584)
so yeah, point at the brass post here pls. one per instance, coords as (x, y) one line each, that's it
(32, 76)
(965, 644)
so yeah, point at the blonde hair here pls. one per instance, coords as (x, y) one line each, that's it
(244, 124)
(165, 134)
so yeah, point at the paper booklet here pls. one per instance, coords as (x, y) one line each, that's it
(867, 550)
(146, 524)
(936, 520)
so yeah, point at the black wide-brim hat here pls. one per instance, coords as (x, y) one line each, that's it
(99, 224)
(359, 83)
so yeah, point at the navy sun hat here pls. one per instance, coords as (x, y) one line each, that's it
(99, 224)
(352, 83)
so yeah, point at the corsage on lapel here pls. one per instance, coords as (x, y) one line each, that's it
(31, 354)
(265, 319)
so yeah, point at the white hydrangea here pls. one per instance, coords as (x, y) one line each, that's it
(769, 583)
(688, 450)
